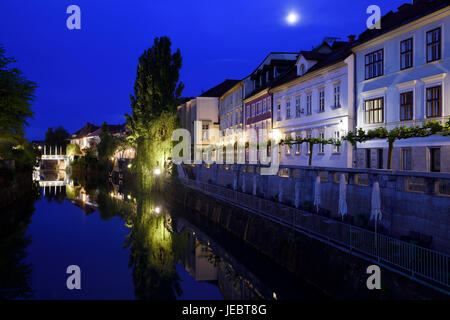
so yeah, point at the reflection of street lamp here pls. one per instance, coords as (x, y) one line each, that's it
(157, 172)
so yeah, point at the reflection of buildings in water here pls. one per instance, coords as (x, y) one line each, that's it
(197, 260)
(204, 260)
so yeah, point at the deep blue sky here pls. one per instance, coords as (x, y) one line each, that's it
(88, 74)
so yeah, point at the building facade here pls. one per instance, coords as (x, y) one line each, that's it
(231, 112)
(402, 79)
(204, 109)
(315, 99)
(258, 99)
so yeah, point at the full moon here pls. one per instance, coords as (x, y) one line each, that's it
(292, 18)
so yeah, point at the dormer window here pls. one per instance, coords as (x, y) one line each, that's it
(301, 70)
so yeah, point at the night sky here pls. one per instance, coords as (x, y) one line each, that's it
(88, 74)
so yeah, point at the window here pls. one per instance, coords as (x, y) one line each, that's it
(337, 96)
(279, 113)
(434, 45)
(248, 112)
(380, 158)
(368, 158)
(298, 146)
(298, 110)
(406, 106)
(406, 54)
(434, 107)
(302, 69)
(288, 109)
(288, 147)
(322, 100)
(321, 145)
(309, 104)
(374, 64)
(309, 136)
(435, 159)
(269, 105)
(264, 105)
(374, 111)
(337, 137)
(205, 131)
(406, 159)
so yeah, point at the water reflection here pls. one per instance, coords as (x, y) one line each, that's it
(169, 257)
(15, 272)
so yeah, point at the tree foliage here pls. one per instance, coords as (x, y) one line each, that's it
(16, 95)
(156, 94)
(311, 142)
(428, 128)
(57, 137)
(157, 87)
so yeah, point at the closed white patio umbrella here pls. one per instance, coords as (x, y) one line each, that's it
(317, 194)
(342, 209)
(375, 212)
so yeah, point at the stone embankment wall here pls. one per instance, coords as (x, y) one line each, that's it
(336, 272)
(414, 205)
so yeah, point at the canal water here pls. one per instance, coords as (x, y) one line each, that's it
(127, 248)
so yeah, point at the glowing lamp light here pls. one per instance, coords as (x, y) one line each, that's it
(157, 209)
(157, 172)
(292, 18)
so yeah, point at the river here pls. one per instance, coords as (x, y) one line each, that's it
(127, 248)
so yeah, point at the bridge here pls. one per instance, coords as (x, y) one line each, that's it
(55, 153)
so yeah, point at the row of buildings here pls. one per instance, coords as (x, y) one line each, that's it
(393, 76)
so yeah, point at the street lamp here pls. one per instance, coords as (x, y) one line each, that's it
(157, 172)
(157, 210)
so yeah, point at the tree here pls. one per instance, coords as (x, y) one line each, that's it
(107, 144)
(156, 94)
(16, 95)
(311, 142)
(57, 137)
(429, 128)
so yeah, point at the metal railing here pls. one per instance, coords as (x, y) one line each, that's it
(418, 262)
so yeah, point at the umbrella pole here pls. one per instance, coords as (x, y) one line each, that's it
(376, 242)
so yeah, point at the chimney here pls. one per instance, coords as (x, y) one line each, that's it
(351, 38)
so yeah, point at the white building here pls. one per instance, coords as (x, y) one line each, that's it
(402, 78)
(315, 99)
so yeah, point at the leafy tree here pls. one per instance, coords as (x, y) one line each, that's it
(429, 128)
(16, 95)
(156, 93)
(57, 137)
(73, 149)
(107, 144)
(311, 142)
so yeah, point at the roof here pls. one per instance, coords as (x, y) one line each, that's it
(406, 13)
(335, 56)
(220, 89)
(83, 132)
(113, 128)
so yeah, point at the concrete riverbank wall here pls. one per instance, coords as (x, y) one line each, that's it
(415, 206)
(338, 273)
